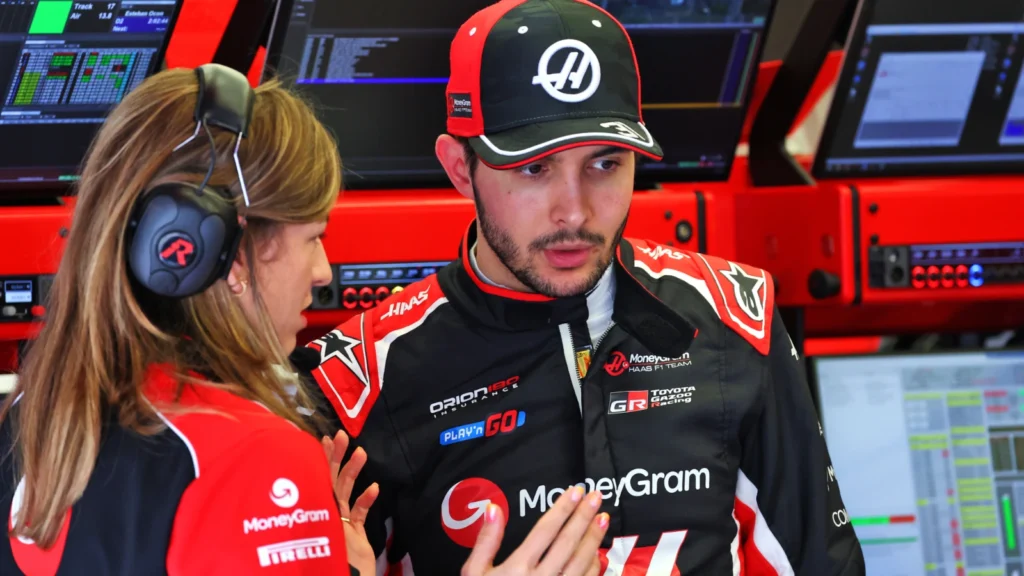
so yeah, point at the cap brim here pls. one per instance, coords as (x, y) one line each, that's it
(520, 146)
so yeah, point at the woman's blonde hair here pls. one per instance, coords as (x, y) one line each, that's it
(102, 331)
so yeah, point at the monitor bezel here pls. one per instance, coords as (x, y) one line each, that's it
(854, 44)
(812, 363)
(39, 189)
(643, 179)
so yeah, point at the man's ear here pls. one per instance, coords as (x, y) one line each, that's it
(452, 156)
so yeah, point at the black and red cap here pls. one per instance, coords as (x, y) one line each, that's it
(533, 77)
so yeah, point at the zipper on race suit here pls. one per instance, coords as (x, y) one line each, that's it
(579, 353)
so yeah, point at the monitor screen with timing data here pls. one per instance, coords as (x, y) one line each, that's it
(377, 72)
(928, 88)
(64, 65)
(928, 451)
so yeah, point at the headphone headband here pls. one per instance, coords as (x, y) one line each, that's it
(183, 237)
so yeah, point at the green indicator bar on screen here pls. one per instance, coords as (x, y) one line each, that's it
(50, 17)
(1011, 530)
(876, 520)
(869, 520)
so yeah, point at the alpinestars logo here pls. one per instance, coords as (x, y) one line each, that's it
(456, 403)
(746, 289)
(339, 346)
(617, 364)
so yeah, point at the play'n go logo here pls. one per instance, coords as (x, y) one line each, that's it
(464, 506)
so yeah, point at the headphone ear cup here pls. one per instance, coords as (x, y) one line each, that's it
(182, 239)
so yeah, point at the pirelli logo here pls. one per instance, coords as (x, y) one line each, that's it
(294, 551)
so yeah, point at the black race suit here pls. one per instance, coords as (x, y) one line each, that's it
(673, 388)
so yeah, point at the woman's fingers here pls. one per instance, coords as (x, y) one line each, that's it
(584, 561)
(349, 472)
(488, 541)
(362, 506)
(570, 537)
(547, 528)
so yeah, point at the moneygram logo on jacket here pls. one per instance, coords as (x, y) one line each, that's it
(689, 414)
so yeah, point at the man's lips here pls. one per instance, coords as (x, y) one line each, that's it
(568, 255)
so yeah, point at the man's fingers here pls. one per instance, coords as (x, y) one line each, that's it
(582, 562)
(362, 506)
(347, 479)
(569, 538)
(547, 528)
(488, 541)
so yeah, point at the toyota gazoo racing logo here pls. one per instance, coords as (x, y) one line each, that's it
(473, 396)
(639, 400)
(463, 508)
(284, 493)
(618, 364)
(638, 483)
(580, 64)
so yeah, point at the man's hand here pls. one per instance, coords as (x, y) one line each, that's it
(360, 552)
(564, 541)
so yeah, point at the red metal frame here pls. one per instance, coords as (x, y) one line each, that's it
(949, 210)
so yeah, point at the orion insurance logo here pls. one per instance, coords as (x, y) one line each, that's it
(463, 508)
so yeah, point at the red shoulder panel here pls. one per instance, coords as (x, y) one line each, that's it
(352, 356)
(347, 374)
(744, 297)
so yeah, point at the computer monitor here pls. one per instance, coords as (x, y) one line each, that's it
(64, 65)
(378, 72)
(928, 88)
(928, 450)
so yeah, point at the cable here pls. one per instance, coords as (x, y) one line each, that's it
(213, 158)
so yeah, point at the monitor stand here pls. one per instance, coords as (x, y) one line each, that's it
(770, 163)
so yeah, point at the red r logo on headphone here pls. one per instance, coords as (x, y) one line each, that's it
(177, 250)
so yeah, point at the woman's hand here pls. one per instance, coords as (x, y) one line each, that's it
(564, 541)
(357, 544)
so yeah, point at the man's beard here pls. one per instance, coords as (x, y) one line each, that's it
(512, 257)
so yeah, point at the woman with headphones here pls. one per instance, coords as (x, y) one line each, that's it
(154, 429)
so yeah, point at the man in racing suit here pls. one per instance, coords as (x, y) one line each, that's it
(668, 383)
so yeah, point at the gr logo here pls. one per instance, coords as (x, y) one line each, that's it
(622, 402)
(574, 70)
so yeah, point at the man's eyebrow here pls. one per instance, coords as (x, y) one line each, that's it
(607, 151)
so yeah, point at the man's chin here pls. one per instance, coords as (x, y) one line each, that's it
(563, 283)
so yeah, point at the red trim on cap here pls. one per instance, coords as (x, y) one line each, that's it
(466, 58)
(490, 289)
(636, 66)
(531, 159)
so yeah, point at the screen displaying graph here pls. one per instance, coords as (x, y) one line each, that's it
(52, 77)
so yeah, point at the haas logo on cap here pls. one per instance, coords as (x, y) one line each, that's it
(463, 508)
(580, 60)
